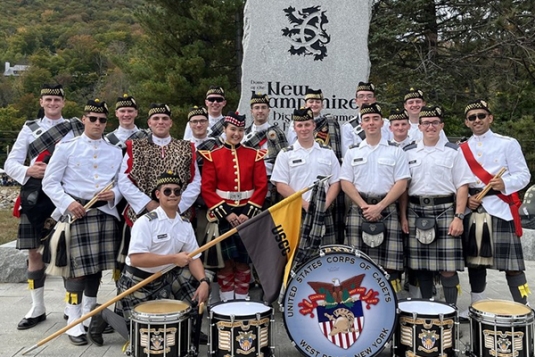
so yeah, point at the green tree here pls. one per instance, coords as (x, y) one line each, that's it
(190, 45)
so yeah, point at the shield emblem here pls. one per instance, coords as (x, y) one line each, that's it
(341, 324)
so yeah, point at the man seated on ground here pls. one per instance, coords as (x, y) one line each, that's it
(160, 239)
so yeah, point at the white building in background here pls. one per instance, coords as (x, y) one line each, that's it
(16, 70)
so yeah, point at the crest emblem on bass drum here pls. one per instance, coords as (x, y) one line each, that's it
(348, 297)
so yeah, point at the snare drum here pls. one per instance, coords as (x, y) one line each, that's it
(426, 328)
(501, 328)
(339, 304)
(240, 328)
(160, 328)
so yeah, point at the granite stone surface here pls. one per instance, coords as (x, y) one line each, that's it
(291, 45)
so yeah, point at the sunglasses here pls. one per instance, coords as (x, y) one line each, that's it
(479, 116)
(215, 99)
(168, 191)
(93, 119)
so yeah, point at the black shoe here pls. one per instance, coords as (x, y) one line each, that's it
(96, 327)
(108, 330)
(203, 339)
(65, 317)
(30, 322)
(463, 320)
(78, 340)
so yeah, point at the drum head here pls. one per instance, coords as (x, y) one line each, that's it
(502, 307)
(162, 307)
(239, 308)
(426, 307)
(339, 304)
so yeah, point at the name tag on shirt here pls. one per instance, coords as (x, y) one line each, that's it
(161, 236)
(358, 161)
(297, 162)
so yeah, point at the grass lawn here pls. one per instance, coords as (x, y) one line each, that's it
(9, 226)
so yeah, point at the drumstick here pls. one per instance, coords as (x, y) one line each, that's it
(201, 308)
(487, 188)
(148, 280)
(95, 199)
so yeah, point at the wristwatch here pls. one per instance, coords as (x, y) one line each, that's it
(206, 280)
(459, 215)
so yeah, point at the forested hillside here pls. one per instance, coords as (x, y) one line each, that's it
(158, 51)
(171, 50)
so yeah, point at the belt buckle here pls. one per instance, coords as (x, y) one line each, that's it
(235, 196)
(427, 200)
(374, 201)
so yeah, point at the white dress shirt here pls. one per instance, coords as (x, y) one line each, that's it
(82, 167)
(163, 236)
(373, 170)
(14, 165)
(493, 152)
(123, 134)
(438, 170)
(350, 136)
(300, 167)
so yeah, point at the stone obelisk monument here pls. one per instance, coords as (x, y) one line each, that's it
(291, 45)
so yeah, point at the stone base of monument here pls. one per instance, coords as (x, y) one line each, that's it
(12, 264)
(528, 244)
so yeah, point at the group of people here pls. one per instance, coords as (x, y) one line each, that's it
(397, 190)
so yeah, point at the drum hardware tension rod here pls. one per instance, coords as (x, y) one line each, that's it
(128, 292)
(441, 319)
(414, 316)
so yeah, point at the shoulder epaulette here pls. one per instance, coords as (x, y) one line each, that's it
(206, 154)
(452, 146)
(152, 215)
(185, 219)
(31, 122)
(410, 147)
(354, 122)
(34, 127)
(392, 143)
(503, 136)
(260, 154)
(288, 148)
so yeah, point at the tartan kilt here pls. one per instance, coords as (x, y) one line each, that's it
(445, 253)
(389, 254)
(330, 236)
(232, 248)
(506, 246)
(95, 241)
(27, 237)
(178, 284)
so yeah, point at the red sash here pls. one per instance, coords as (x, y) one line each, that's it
(512, 200)
(16, 206)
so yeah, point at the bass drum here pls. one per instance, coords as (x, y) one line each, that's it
(340, 304)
